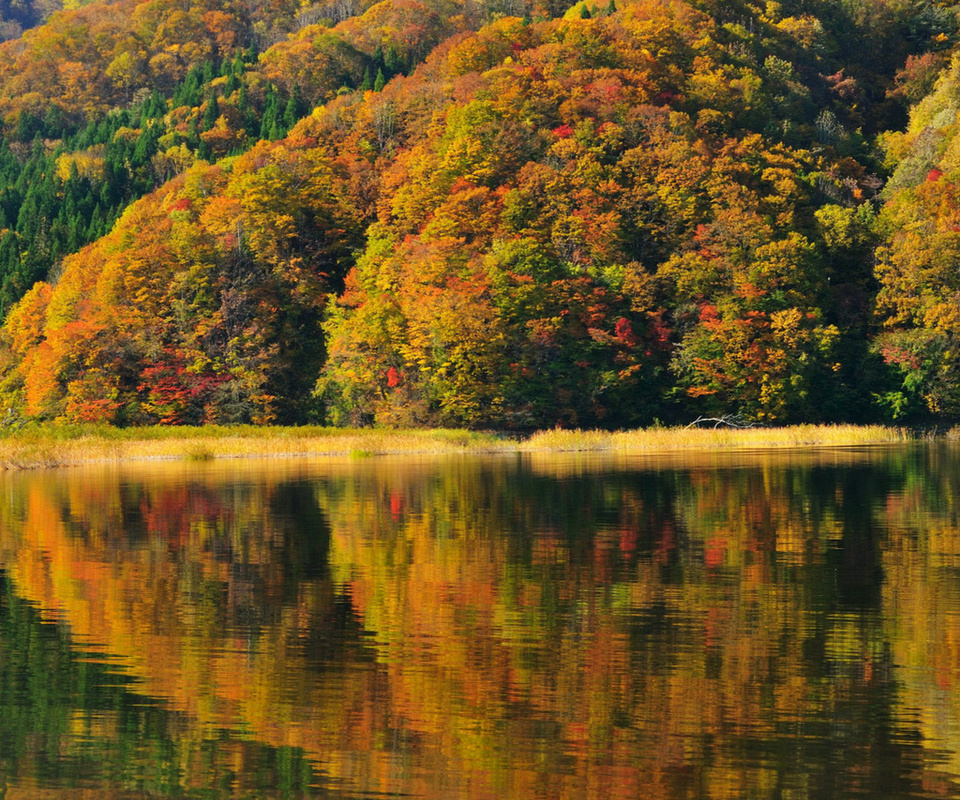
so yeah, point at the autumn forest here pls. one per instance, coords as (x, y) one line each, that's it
(508, 214)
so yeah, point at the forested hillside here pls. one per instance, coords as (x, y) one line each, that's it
(507, 215)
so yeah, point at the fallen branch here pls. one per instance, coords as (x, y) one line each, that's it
(727, 420)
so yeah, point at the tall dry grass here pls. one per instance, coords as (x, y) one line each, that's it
(60, 445)
(53, 445)
(712, 438)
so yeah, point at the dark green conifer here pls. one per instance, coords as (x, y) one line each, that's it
(290, 115)
(193, 134)
(54, 124)
(211, 113)
(28, 126)
(270, 121)
(392, 63)
(9, 254)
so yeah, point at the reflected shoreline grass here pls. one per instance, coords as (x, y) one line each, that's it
(44, 446)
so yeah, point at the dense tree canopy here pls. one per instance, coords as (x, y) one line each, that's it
(602, 214)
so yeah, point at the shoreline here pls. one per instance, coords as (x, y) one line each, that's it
(51, 446)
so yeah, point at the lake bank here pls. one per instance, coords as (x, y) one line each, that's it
(55, 446)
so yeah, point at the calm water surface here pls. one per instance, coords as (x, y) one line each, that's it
(715, 626)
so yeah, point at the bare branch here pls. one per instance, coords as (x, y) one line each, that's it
(727, 420)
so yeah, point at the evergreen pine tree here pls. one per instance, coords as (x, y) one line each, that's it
(28, 126)
(212, 112)
(87, 136)
(193, 134)
(146, 146)
(74, 240)
(95, 228)
(54, 123)
(290, 115)
(392, 63)
(156, 106)
(269, 124)
(28, 219)
(300, 104)
(9, 254)
(188, 93)
(248, 116)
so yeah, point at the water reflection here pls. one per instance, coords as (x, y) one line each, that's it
(750, 625)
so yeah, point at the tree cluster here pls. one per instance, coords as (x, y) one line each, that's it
(602, 215)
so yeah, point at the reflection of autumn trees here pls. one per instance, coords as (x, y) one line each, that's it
(684, 630)
(73, 727)
(523, 628)
(922, 595)
(185, 584)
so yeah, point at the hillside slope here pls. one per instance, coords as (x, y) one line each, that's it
(640, 210)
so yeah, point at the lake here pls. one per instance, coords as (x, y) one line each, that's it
(715, 625)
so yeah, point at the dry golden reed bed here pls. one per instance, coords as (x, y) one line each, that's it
(54, 445)
(713, 438)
